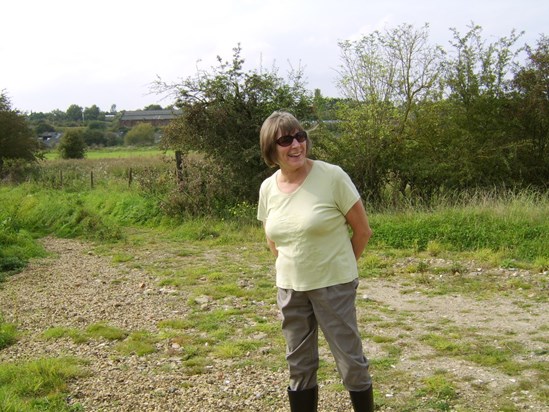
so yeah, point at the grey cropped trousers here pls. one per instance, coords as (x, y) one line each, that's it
(333, 309)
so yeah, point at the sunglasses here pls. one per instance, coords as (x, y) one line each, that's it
(286, 141)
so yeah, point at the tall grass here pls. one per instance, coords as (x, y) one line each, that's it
(17, 245)
(119, 170)
(514, 223)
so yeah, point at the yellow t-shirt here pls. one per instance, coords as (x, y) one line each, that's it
(309, 228)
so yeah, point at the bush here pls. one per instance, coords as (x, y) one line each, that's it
(18, 170)
(141, 134)
(206, 189)
(72, 145)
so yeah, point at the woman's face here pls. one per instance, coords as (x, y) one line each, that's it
(291, 157)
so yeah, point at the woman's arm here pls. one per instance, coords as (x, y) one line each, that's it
(358, 221)
(271, 245)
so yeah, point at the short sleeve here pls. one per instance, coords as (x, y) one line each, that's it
(262, 204)
(345, 191)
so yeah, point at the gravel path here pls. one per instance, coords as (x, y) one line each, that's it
(75, 288)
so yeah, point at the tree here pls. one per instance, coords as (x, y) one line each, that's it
(43, 127)
(476, 68)
(94, 137)
(16, 137)
(532, 110)
(92, 113)
(398, 66)
(141, 134)
(385, 76)
(478, 79)
(74, 113)
(223, 110)
(72, 145)
(153, 107)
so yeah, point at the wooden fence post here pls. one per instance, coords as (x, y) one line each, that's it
(179, 166)
(130, 177)
(91, 179)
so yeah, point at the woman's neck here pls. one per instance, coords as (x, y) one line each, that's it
(295, 176)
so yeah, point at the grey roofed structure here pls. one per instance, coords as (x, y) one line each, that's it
(154, 117)
(49, 139)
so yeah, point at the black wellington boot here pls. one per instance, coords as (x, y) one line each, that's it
(363, 401)
(303, 401)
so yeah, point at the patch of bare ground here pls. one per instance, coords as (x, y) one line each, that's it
(76, 287)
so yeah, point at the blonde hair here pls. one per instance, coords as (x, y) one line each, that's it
(277, 121)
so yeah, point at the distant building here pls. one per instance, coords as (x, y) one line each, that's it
(49, 139)
(154, 117)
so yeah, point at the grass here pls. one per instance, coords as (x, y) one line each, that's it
(8, 333)
(114, 153)
(138, 343)
(38, 385)
(227, 291)
(520, 233)
(439, 391)
(94, 331)
(510, 228)
(480, 349)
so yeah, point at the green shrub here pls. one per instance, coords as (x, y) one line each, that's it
(141, 134)
(72, 145)
(206, 189)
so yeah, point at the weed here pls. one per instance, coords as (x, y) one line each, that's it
(121, 257)
(435, 248)
(383, 339)
(235, 349)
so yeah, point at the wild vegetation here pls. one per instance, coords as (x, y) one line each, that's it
(448, 148)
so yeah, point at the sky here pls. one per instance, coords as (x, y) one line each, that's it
(60, 52)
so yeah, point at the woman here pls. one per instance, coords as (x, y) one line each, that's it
(307, 207)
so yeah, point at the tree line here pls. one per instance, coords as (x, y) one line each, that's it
(422, 119)
(25, 136)
(414, 119)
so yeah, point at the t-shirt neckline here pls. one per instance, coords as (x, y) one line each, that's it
(299, 187)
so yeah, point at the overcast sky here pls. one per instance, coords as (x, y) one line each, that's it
(55, 53)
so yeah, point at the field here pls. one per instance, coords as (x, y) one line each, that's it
(119, 308)
(122, 153)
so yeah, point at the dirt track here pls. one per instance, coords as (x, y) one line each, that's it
(76, 287)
